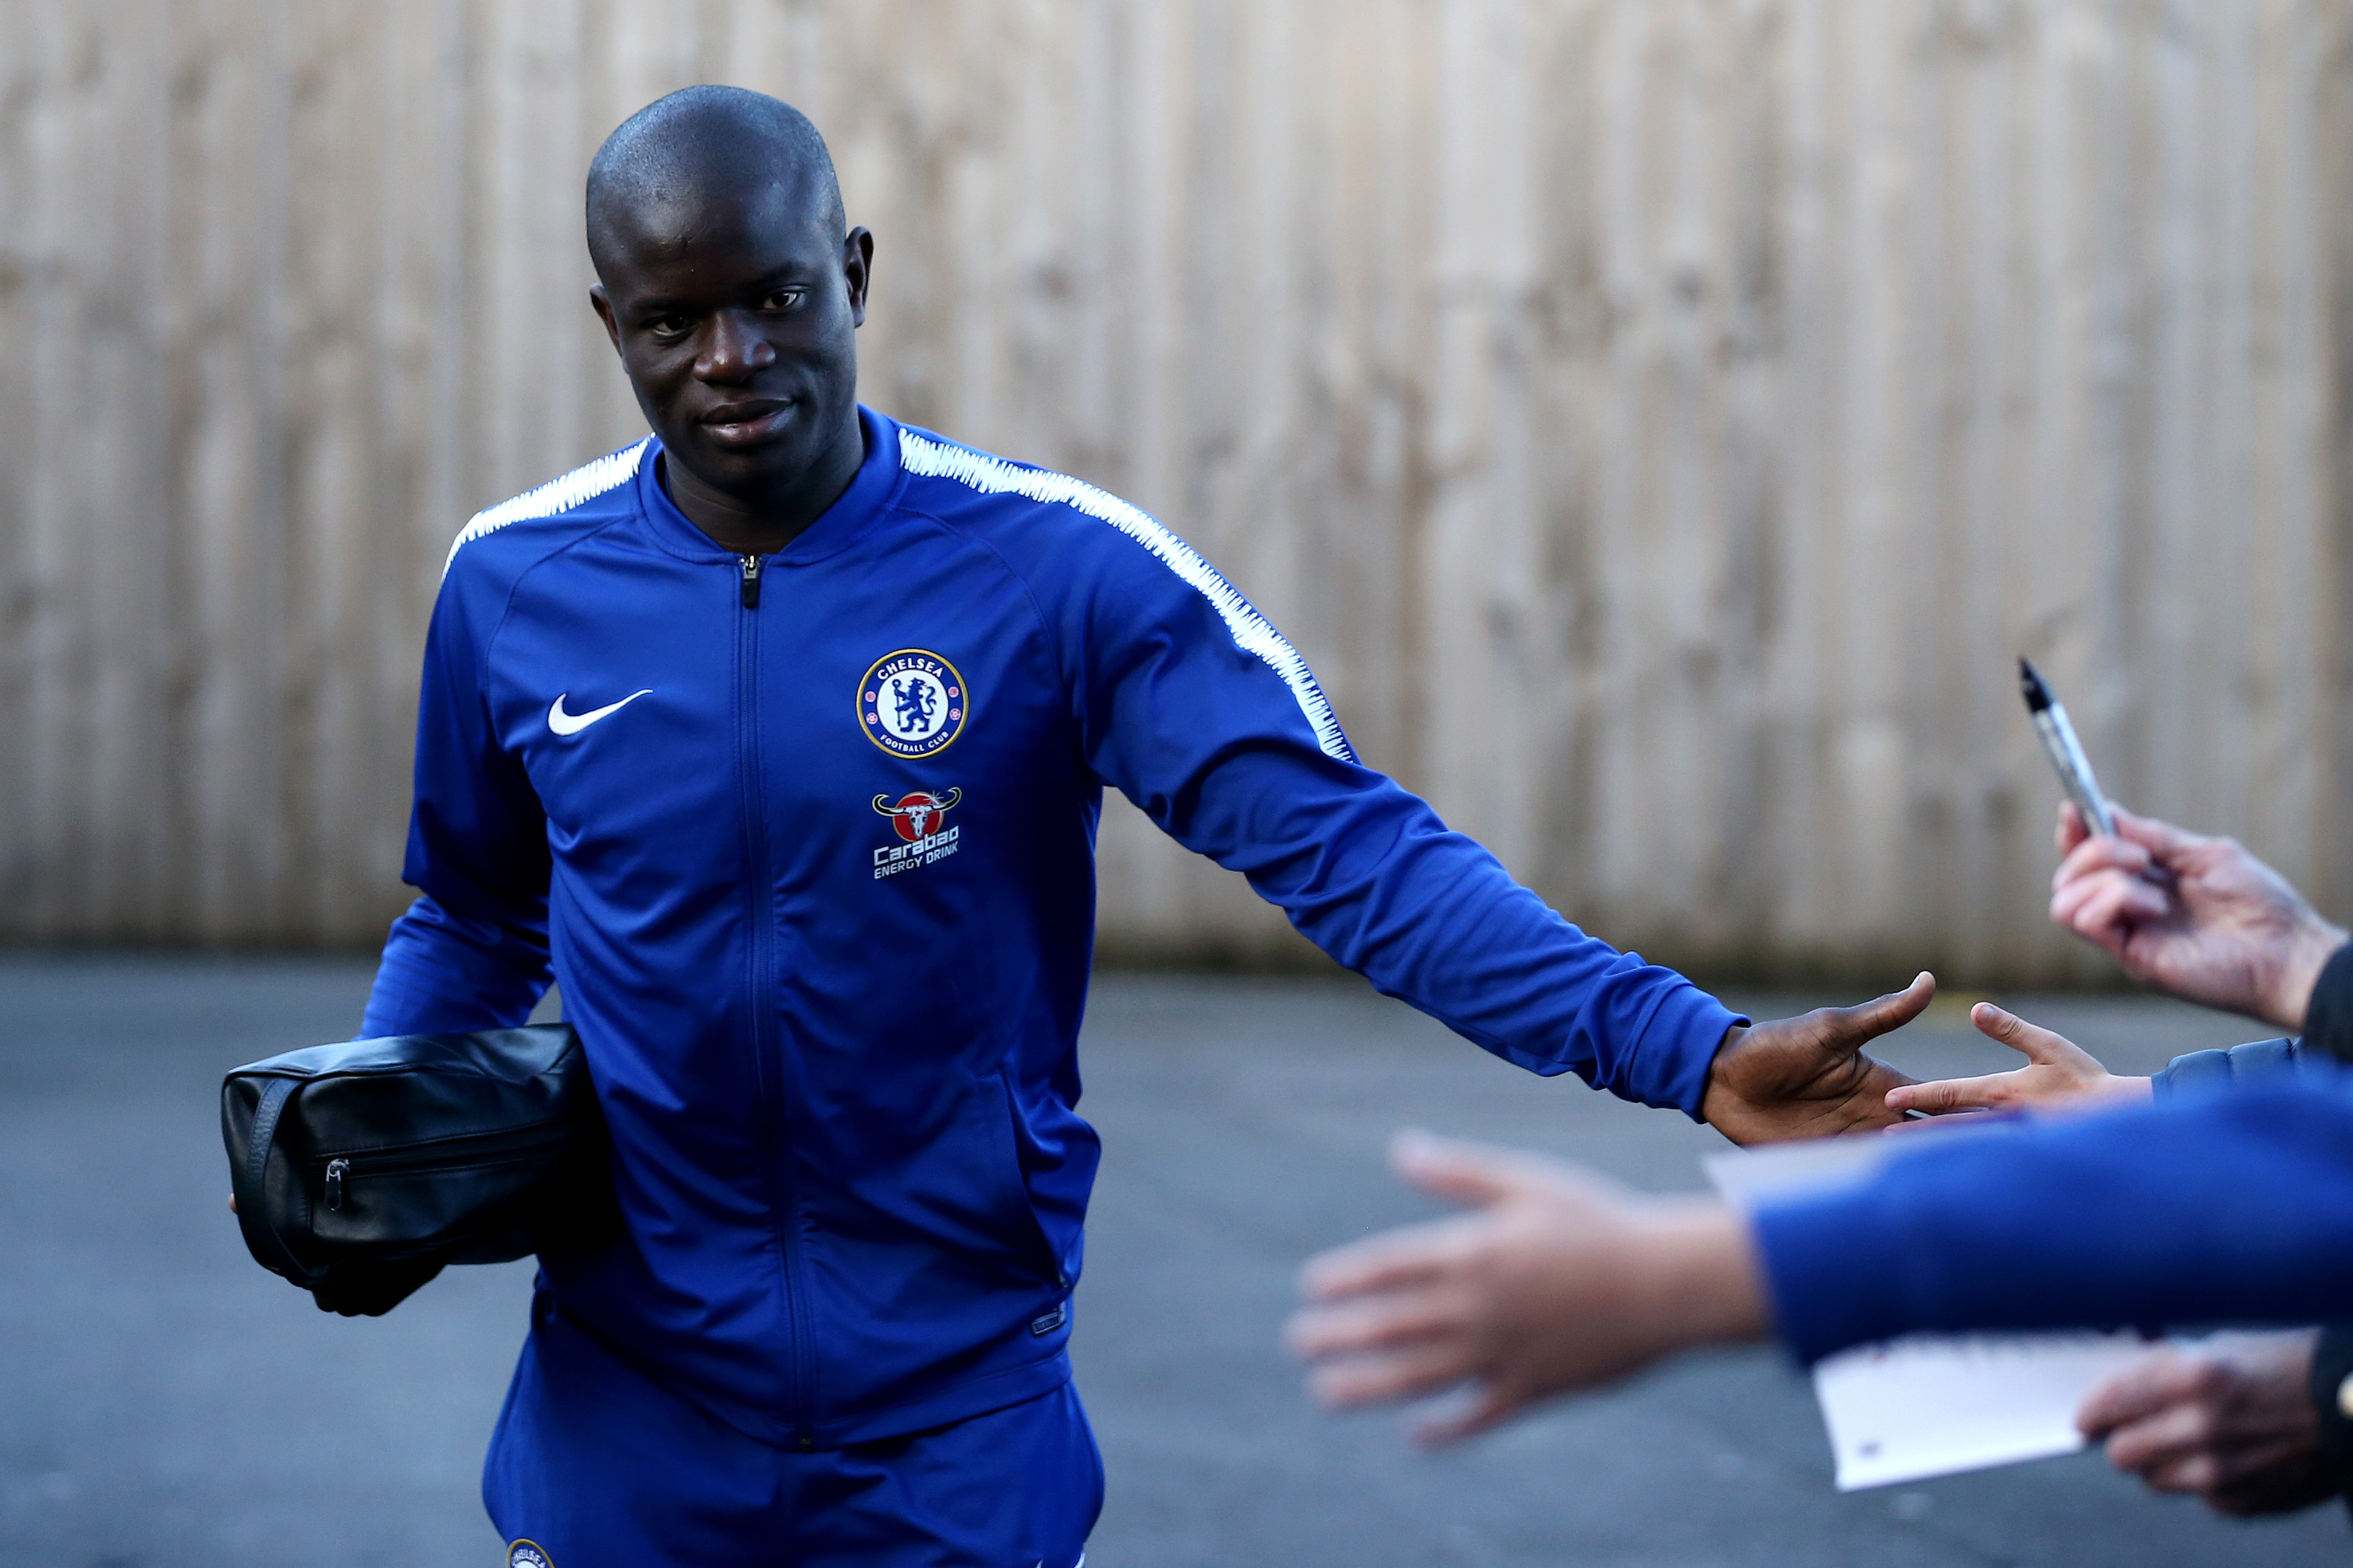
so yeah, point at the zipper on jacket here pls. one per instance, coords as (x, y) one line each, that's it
(767, 1056)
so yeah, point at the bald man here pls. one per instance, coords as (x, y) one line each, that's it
(779, 739)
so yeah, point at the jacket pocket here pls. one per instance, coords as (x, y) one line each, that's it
(1036, 1245)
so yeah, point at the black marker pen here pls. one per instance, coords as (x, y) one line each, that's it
(2066, 751)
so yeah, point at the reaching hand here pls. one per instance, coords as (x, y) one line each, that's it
(2058, 1072)
(1559, 1281)
(2198, 917)
(1807, 1076)
(2231, 1421)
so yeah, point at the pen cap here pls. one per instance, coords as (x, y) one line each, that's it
(2032, 686)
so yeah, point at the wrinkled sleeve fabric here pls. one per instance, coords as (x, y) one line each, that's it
(1190, 704)
(472, 953)
(2239, 1067)
(2227, 1208)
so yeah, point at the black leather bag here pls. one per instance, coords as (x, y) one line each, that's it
(361, 1170)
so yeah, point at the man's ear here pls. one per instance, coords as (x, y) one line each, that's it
(857, 271)
(601, 303)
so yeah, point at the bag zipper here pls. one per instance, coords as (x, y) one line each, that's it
(464, 1150)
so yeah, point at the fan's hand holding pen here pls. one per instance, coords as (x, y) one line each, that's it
(2213, 925)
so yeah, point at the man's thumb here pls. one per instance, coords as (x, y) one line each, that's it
(1882, 1015)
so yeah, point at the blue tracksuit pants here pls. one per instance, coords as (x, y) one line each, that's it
(595, 1464)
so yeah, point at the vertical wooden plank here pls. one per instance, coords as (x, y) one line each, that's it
(1477, 563)
(2290, 605)
(61, 48)
(22, 82)
(2332, 170)
(229, 504)
(530, 348)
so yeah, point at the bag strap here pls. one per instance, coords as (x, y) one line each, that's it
(247, 1180)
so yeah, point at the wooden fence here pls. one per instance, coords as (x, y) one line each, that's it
(1659, 421)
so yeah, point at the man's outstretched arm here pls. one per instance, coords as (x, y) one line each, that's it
(1192, 706)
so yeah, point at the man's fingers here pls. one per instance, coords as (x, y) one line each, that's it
(2160, 1438)
(1397, 1259)
(2235, 1464)
(1473, 1175)
(2188, 1473)
(2072, 830)
(1494, 1406)
(2101, 907)
(1408, 1372)
(2162, 840)
(2161, 1381)
(1383, 1322)
(2148, 900)
(2094, 856)
(2036, 1043)
(2118, 901)
(1990, 1092)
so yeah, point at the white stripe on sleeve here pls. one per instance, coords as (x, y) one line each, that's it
(1252, 632)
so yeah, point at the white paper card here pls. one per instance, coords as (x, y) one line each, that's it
(1930, 1404)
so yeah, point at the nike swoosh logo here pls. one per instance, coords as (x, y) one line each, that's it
(565, 723)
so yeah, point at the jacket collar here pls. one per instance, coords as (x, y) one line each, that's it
(835, 529)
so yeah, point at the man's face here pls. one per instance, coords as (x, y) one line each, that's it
(735, 314)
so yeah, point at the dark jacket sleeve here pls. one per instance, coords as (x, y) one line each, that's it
(2208, 1209)
(2332, 1389)
(2328, 1017)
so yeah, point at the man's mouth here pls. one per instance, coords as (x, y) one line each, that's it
(746, 424)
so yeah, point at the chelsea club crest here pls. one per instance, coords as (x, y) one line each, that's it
(527, 1554)
(912, 703)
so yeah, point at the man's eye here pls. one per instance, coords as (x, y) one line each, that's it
(782, 299)
(669, 326)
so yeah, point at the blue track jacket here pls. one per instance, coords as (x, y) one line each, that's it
(807, 841)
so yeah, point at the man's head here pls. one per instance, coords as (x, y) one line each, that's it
(733, 295)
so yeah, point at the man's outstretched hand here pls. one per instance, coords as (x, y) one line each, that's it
(1807, 1076)
(1557, 1280)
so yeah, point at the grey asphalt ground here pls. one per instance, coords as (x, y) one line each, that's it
(165, 1404)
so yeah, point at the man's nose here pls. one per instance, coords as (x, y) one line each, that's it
(736, 349)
